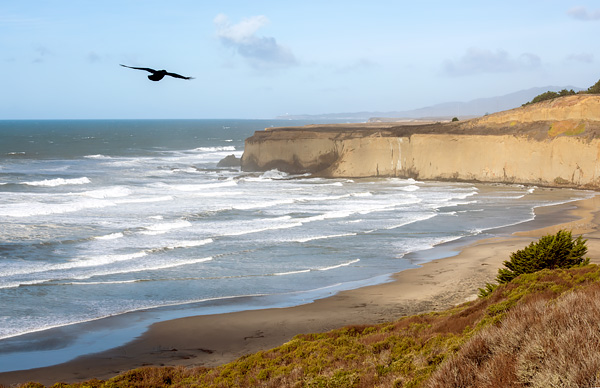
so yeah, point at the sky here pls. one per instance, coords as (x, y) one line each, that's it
(265, 58)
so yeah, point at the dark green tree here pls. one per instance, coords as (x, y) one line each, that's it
(550, 96)
(594, 89)
(454, 118)
(551, 251)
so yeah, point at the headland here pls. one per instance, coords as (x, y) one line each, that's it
(551, 143)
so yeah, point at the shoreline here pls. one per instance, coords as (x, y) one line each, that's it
(210, 340)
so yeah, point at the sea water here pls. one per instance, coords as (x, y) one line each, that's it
(104, 218)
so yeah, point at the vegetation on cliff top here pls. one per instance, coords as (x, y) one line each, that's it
(520, 335)
(594, 89)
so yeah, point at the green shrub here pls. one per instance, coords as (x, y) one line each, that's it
(550, 252)
(594, 89)
(550, 96)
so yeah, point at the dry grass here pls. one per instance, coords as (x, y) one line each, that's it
(541, 343)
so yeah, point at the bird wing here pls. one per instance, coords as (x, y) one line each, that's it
(179, 76)
(141, 68)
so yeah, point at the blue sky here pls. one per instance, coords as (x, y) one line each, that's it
(260, 59)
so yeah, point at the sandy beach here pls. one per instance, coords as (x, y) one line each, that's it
(216, 339)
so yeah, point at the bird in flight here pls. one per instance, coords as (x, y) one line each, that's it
(157, 75)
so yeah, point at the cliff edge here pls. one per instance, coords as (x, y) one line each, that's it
(551, 143)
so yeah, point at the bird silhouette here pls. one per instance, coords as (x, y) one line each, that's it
(157, 75)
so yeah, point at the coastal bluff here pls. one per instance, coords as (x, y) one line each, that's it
(551, 143)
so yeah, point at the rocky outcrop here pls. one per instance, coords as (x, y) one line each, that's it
(553, 143)
(230, 161)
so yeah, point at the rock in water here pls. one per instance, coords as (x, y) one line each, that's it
(230, 161)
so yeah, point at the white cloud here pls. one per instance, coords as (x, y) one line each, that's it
(357, 66)
(581, 13)
(260, 52)
(583, 57)
(479, 61)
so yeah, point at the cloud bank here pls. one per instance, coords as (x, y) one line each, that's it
(480, 61)
(260, 52)
(581, 13)
(583, 57)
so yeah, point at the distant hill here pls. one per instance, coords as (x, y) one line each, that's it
(447, 110)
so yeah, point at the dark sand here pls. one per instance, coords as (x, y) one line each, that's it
(216, 339)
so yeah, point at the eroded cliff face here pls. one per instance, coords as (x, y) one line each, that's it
(494, 148)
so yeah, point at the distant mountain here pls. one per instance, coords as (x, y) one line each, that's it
(474, 108)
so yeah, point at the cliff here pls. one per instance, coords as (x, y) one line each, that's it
(552, 143)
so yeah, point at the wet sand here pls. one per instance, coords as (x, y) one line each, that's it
(212, 340)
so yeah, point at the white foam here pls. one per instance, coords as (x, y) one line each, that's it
(43, 209)
(95, 261)
(291, 272)
(101, 261)
(101, 283)
(201, 187)
(339, 265)
(97, 156)
(166, 227)
(274, 175)
(410, 188)
(59, 182)
(163, 198)
(408, 222)
(112, 192)
(83, 262)
(152, 267)
(276, 227)
(262, 205)
(215, 149)
(317, 269)
(112, 236)
(190, 244)
(307, 239)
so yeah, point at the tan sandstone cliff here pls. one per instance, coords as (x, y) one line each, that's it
(554, 143)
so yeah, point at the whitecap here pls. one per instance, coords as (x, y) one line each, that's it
(411, 221)
(410, 188)
(59, 182)
(44, 209)
(250, 231)
(82, 262)
(150, 267)
(166, 227)
(274, 175)
(163, 198)
(339, 265)
(201, 187)
(215, 149)
(190, 244)
(112, 236)
(113, 192)
(291, 272)
(262, 205)
(307, 239)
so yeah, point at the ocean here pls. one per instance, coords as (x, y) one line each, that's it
(133, 220)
